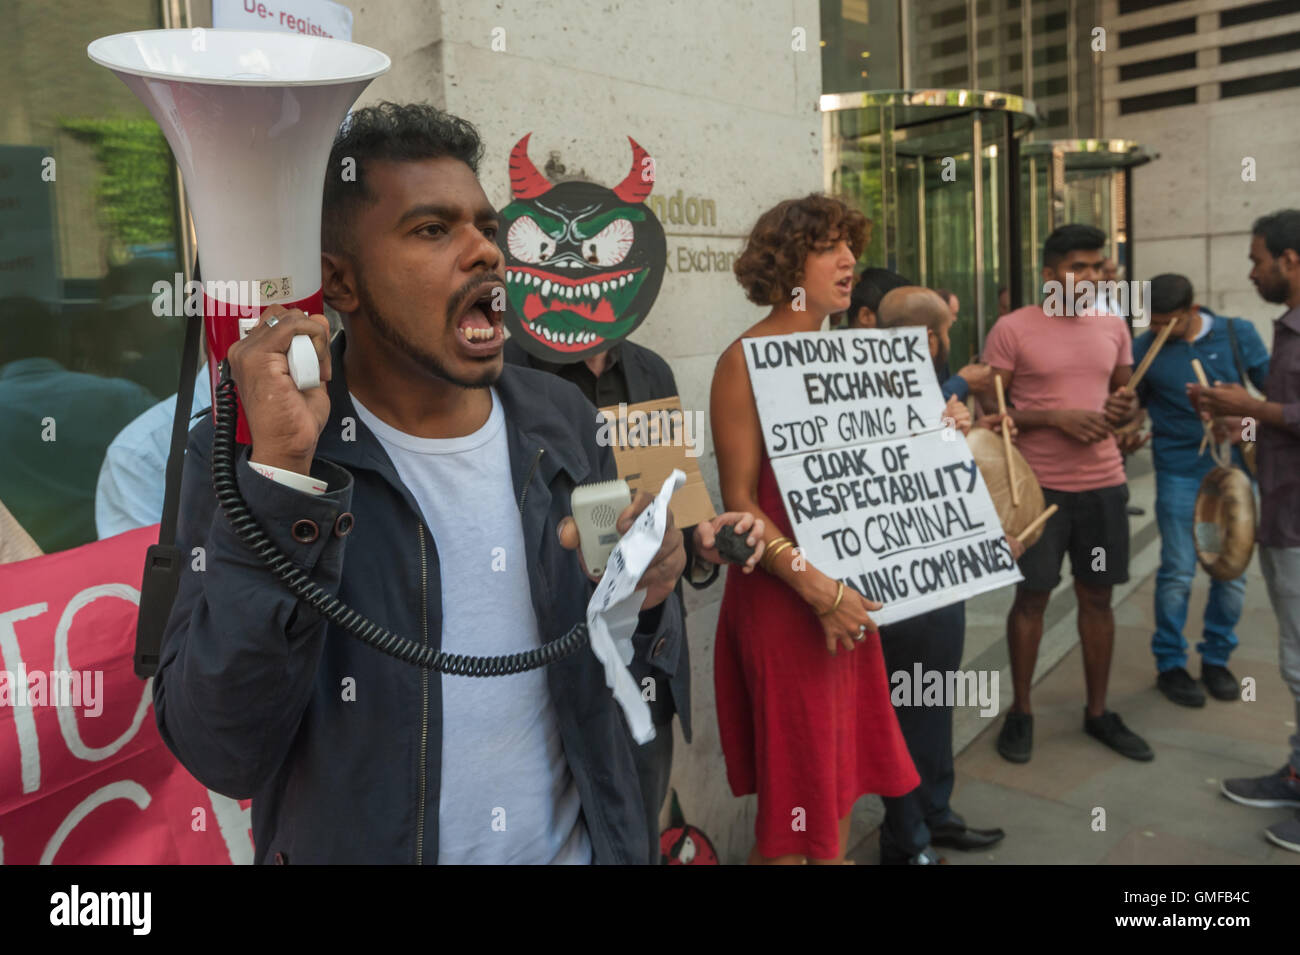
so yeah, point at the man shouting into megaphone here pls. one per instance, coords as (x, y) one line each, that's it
(426, 486)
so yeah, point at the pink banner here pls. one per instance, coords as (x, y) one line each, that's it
(84, 776)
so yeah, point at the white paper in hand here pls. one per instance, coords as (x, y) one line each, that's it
(612, 611)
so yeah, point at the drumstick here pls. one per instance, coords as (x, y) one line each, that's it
(1006, 441)
(1150, 356)
(1205, 383)
(1038, 522)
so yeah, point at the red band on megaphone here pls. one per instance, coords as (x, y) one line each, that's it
(221, 325)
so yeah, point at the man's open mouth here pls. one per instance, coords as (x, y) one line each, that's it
(479, 323)
(574, 314)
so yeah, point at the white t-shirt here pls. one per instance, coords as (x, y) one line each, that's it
(508, 796)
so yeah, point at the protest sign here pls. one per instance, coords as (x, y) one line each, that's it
(310, 17)
(881, 495)
(651, 439)
(85, 777)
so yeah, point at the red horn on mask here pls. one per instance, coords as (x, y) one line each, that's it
(525, 181)
(634, 188)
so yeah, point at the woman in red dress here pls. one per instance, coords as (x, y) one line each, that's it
(803, 697)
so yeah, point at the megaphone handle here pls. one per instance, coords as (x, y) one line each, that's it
(304, 368)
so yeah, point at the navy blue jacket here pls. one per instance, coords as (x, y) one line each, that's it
(1176, 430)
(648, 378)
(249, 690)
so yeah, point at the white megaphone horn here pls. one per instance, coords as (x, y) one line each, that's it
(250, 118)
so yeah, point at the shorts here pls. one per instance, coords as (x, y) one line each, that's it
(1092, 526)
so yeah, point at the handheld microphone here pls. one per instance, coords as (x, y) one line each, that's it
(595, 510)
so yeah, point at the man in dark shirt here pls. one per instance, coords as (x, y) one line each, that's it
(1275, 253)
(934, 642)
(626, 372)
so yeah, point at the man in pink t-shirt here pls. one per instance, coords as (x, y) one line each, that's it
(1064, 373)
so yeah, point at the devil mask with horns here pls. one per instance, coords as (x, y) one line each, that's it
(583, 262)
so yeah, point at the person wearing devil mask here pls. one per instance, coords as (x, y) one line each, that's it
(583, 266)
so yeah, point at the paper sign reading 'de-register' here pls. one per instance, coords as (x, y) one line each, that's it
(880, 493)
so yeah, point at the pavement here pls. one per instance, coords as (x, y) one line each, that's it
(1077, 802)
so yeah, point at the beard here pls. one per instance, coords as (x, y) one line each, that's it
(427, 360)
(1273, 289)
(941, 362)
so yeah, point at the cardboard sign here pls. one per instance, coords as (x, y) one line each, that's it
(84, 776)
(653, 438)
(880, 493)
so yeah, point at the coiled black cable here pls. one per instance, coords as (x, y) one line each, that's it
(329, 606)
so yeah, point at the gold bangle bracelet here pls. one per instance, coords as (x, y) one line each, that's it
(770, 546)
(839, 595)
(769, 554)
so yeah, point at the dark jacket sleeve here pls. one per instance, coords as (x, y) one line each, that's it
(240, 652)
(955, 385)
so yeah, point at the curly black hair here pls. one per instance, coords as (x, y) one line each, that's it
(772, 264)
(392, 131)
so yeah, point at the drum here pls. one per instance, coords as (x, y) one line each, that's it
(990, 457)
(1224, 523)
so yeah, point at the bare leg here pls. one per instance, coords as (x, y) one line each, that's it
(1097, 635)
(844, 845)
(1024, 633)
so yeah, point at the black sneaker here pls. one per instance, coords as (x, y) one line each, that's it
(1177, 684)
(1220, 682)
(1281, 790)
(1285, 833)
(1110, 729)
(1016, 740)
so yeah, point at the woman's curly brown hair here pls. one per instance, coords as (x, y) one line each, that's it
(771, 266)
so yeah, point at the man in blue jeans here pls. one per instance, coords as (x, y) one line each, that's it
(1230, 350)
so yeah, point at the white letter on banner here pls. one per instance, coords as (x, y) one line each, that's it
(68, 716)
(29, 753)
(122, 789)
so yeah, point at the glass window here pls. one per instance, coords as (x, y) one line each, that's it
(860, 45)
(938, 36)
(88, 225)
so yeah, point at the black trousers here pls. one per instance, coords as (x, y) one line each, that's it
(935, 640)
(654, 766)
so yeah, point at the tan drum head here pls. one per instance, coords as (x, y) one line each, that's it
(1224, 523)
(986, 448)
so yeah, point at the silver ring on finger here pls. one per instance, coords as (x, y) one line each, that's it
(273, 321)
